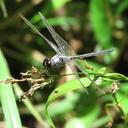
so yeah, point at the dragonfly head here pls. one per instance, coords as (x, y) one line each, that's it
(47, 63)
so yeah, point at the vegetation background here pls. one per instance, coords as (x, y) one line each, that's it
(87, 25)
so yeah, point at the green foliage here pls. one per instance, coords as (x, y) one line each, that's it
(88, 26)
(7, 98)
(75, 84)
(100, 22)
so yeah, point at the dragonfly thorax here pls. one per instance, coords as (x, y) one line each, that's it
(55, 62)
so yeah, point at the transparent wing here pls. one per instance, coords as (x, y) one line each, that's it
(36, 31)
(90, 54)
(62, 44)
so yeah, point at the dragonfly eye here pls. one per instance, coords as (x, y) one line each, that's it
(47, 63)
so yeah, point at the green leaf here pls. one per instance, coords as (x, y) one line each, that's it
(123, 99)
(61, 90)
(7, 97)
(100, 23)
(121, 7)
(116, 76)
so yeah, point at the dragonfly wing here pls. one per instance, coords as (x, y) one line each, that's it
(65, 49)
(108, 51)
(36, 31)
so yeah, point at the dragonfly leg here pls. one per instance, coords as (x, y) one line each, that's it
(93, 83)
(77, 76)
(87, 75)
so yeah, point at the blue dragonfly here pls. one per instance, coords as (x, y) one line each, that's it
(64, 53)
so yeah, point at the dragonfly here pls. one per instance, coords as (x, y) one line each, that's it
(64, 53)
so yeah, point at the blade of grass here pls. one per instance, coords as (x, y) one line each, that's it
(7, 98)
(3, 7)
